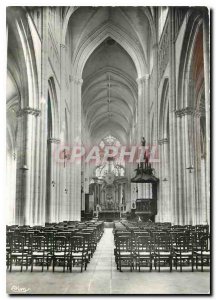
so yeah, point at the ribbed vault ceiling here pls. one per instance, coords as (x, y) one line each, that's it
(109, 90)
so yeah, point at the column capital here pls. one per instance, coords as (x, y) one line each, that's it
(28, 111)
(143, 78)
(76, 80)
(163, 141)
(54, 140)
(62, 46)
(196, 113)
(185, 111)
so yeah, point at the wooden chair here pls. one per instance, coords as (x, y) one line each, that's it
(18, 254)
(162, 251)
(117, 234)
(60, 252)
(39, 253)
(89, 243)
(202, 252)
(183, 252)
(9, 236)
(78, 252)
(124, 252)
(143, 252)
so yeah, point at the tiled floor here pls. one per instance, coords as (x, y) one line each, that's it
(102, 277)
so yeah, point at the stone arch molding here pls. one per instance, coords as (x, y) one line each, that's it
(54, 107)
(186, 59)
(98, 36)
(31, 68)
(164, 104)
(22, 64)
(67, 14)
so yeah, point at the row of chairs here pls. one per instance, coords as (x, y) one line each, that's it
(156, 229)
(141, 248)
(163, 226)
(51, 247)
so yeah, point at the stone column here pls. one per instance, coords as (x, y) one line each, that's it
(206, 49)
(183, 165)
(75, 134)
(64, 199)
(164, 198)
(61, 168)
(160, 199)
(180, 205)
(188, 161)
(53, 183)
(197, 167)
(143, 108)
(40, 192)
(11, 186)
(26, 152)
(172, 120)
(187, 179)
(188, 192)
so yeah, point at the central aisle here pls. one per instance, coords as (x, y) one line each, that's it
(101, 277)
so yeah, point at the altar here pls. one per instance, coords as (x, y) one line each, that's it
(109, 193)
(109, 215)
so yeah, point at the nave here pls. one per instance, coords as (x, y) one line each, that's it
(102, 277)
(108, 119)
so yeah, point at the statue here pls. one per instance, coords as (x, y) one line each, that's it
(146, 158)
(143, 142)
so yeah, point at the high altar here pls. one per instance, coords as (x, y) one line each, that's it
(109, 194)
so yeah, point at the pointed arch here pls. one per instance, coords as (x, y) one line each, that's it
(22, 63)
(186, 58)
(98, 36)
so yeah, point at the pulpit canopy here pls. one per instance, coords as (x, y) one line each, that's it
(144, 178)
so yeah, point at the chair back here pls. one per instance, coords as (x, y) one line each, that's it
(162, 243)
(77, 244)
(124, 243)
(60, 244)
(143, 244)
(184, 243)
(38, 243)
(17, 244)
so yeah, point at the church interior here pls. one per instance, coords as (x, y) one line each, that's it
(108, 150)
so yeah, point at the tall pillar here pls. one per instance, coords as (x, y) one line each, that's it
(180, 208)
(75, 166)
(172, 120)
(143, 107)
(159, 216)
(165, 182)
(206, 49)
(184, 170)
(188, 195)
(40, 193)
(187, 159)
(197, 167)
(26, 153)
(53, 183)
